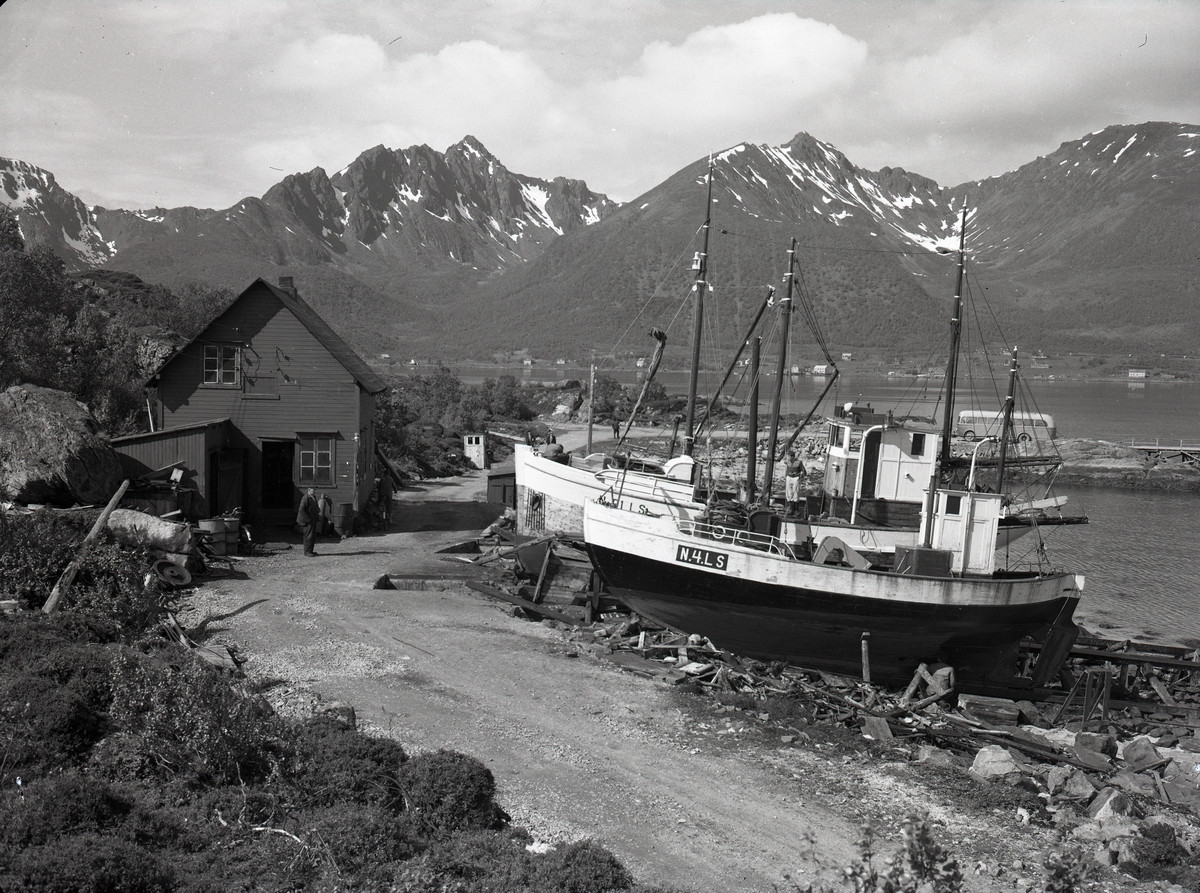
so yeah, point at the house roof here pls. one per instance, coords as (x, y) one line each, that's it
(370, 381)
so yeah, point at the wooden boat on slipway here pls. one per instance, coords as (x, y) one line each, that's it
(840, 594)
(758, 596)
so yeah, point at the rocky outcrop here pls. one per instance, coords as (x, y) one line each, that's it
(52, 451)
(1099, 463)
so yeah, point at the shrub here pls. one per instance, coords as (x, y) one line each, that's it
(42, 726)
(474, 860)
(364, 842)
(185, 720)
(448, 791)
(36, 548)
(87, 863)
(43, 810)
(333, 764)
(583, 867)
(921, 865)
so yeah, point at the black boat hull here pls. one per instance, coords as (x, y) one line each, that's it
(825, 630)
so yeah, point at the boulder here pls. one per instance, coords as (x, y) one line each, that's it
(1128, 780)
(52, 451)
(993, 761)
(1098, 743)
(1111, 803)
(1140, 753)
(1077, 786)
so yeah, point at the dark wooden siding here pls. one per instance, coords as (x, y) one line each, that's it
(191, 447)
(366, 446)
(290, 385)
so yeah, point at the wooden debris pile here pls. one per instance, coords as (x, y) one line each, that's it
(1135, 749)
(546, 578)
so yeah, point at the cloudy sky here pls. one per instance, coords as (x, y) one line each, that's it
(183, 102)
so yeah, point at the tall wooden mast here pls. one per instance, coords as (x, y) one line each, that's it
(955, 341)
(1006, 427)
(943, 459)
(785, 313)
(699, 287)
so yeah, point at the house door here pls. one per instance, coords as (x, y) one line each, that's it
(278, 475)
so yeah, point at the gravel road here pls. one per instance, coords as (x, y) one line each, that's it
(579, 748)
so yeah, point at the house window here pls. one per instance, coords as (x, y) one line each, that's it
(316, 459)
(918, 448)
(222, 365)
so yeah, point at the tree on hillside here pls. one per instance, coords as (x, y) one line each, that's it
(607, 395)
(49, 336)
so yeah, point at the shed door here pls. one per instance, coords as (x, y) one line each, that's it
(230, 489)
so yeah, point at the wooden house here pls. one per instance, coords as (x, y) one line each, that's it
(264, 403)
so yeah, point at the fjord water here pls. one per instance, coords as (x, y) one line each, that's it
(1140, 551)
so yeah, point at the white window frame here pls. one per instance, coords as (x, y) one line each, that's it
(316, 465)
(222, 366)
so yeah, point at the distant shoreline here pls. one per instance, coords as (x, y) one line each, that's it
(1086, 462)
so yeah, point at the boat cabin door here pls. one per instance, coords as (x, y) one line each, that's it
(965, 523)
(869, 472)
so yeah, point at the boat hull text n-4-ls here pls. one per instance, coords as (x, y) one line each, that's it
(755, 596)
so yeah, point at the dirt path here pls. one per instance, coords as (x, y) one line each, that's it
(578, 747)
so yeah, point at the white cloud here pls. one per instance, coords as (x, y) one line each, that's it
(211, 101)
(331, 63)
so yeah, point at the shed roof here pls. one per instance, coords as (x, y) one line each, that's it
(370, 381)
(169, 432)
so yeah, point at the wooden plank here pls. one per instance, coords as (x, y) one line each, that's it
(68, 575)
(1161, 691)
(512, 550)
(537, 590)
(525, 604)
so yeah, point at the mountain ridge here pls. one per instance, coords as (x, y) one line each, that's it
(453, 255)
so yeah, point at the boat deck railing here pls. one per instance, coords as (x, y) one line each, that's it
(722, 533)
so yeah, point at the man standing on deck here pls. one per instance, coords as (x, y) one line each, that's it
(791, 483)
(307, 517)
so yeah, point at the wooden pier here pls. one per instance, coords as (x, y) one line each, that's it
(1161, 450)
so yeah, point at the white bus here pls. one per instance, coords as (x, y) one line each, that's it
(974, 424)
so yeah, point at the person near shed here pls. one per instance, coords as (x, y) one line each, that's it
(325, 522)
(308, 516)
(791, 484)
(386, 488)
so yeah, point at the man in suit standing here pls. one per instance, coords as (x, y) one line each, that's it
(307, 517)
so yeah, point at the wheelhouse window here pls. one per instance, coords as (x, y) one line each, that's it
(316, 459)
(918, 443)
(222, 365)
(953, 505)
(835, 435)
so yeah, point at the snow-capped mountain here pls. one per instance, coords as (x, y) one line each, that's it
(451, 254)
(51, 216)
